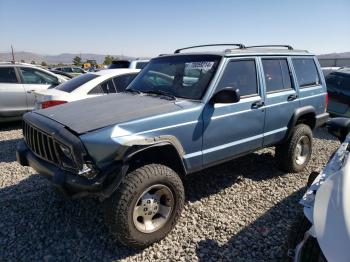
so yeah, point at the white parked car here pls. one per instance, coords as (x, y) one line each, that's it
(324, 234)
(86, 86)
(132, 64)
(17, 83)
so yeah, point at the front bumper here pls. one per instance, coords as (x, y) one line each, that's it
(70, 184)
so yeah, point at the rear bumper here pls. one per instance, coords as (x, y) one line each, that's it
(68, 183)
(321, 119)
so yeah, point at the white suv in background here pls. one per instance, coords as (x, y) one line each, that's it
(17, 83)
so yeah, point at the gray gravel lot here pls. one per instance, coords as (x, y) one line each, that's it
(238, 211)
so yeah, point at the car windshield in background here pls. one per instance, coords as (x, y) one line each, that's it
(74, 83)
(119, 64)
(185, 76)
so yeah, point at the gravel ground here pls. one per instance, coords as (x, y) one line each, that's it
(238, 211)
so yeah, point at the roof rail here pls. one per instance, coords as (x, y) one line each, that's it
(241, 46)
(286, 46)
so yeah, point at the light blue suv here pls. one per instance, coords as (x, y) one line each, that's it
(182, 113)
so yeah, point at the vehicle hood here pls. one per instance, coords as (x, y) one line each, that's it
(91, 114)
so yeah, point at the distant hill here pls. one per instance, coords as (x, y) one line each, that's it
(55, 59)
(335, 55)
(67, 58)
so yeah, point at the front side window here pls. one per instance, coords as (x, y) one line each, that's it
(240, 74)
(185, 76)
(306, 71)
(34, 76)
(8, 75)
(277, 76)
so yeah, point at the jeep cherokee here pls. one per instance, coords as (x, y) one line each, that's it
(183, 112)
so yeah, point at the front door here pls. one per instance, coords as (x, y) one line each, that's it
(12, 94)
(233, 129)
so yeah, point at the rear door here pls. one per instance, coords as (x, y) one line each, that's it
(12, 94)
(34, 79)
(312, 88)
(281, 97)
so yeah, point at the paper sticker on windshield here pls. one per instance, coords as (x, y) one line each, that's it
(203, 65)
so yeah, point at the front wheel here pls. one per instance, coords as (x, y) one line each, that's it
(146, 206)
(295, 154)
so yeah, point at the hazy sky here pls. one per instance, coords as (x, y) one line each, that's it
(147, 28)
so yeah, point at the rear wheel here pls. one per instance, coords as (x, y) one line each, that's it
(295, 154)
(146, 206)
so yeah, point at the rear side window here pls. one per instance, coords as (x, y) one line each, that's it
(277, 76)
(241, 75)
(121, 82)
(8, 75)
(306, 71)
(76, 82)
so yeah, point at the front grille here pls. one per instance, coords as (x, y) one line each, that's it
(40, 143)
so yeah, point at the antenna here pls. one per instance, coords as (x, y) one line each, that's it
(13, 55)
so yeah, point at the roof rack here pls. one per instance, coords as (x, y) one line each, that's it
(240, 46)
(286, 46)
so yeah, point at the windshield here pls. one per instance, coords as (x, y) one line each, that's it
(74, 83)
(186, 76)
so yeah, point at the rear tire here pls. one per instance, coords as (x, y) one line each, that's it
(146, 206)
(294, 155)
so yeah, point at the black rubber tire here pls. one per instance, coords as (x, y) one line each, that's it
(311, 251)
(119, 207)
(285, 152)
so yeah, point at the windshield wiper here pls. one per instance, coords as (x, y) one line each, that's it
(130, 90)
(160, 92)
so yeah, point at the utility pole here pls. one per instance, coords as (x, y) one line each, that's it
(13, 55)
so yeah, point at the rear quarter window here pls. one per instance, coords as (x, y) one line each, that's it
(306, 72)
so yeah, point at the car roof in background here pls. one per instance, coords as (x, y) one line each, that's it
(119, 71)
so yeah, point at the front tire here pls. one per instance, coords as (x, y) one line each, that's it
(146, 206)
(294, 155)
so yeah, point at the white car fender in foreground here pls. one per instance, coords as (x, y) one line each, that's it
(331, 215)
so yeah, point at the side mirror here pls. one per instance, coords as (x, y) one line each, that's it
(339, 127)
(226, 95)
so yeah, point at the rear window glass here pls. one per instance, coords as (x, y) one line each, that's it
(338, 82)
(306, 71)
(74, 83)
(119, 64)
(7, 75)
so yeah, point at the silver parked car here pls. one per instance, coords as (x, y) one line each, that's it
(17, 83)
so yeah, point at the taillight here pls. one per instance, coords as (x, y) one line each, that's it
(47, 104)
(326, 108)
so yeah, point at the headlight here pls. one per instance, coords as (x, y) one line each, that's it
(66, 157)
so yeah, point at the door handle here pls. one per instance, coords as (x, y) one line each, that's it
(292, 97)
(257, 104)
